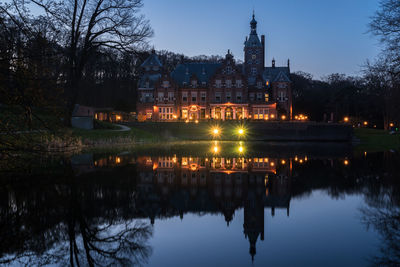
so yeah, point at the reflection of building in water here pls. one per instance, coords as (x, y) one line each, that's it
(170, 186)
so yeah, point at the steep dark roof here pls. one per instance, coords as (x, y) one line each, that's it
(152, 61)
(277, 74)
(203, 72)
(253, 41)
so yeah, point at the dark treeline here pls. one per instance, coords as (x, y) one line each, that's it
(337, 96)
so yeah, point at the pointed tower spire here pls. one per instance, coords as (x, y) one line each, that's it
(253, 24)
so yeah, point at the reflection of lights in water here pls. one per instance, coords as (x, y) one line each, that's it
(241, 149)
(215, 148)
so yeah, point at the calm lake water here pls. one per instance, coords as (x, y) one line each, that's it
(204, 204)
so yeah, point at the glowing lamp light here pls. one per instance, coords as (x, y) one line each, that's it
(283, 162)
(241, 149)
(174, 116)
(346, 162)
(215, 131)
(346, 119)
(186, 121)
(365, 123)
(391, 124)
(272, 164)
(283, 117)
(197, 121)
(118, 160)
(272, 116)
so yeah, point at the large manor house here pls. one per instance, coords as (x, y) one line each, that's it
(217, 91)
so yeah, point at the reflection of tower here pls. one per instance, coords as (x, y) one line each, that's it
(253, 219)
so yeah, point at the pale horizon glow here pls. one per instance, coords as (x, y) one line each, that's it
(319, 37)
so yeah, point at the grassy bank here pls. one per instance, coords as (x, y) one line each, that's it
(227, 131)
(376, 140)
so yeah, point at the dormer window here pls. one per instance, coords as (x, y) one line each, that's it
(165, 84)
(228, 70)
(218, 83)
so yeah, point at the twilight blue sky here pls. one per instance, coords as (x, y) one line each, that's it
(319, 36)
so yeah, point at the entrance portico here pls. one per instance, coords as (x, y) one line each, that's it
(229, 111)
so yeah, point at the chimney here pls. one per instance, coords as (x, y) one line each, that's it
(263, 51)
(273, 63)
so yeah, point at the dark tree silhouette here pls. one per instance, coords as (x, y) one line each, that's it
(87, 26)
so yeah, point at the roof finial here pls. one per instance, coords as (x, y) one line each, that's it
(254, 13)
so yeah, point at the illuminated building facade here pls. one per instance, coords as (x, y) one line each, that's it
(218, 91)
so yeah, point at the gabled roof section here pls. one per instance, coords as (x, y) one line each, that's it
(277, 74)
(203, 71)
(152, 61)
(282, 77)
(152, 79)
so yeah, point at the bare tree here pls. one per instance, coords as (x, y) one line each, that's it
(87, 26)
(386, 25)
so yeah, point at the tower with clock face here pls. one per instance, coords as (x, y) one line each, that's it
(254, 52)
